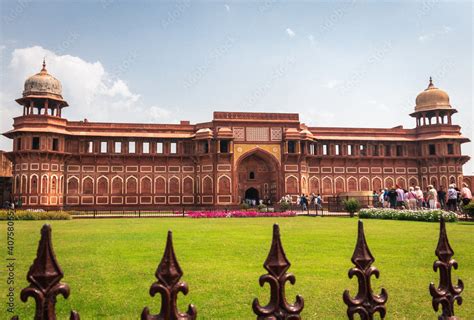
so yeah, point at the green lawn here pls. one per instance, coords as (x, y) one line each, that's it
(110, 264)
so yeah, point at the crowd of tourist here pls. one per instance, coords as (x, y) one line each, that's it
(414, 198)
(305, 201)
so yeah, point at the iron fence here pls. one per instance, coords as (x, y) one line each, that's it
(45, 274)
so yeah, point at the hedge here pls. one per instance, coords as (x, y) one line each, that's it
(36, 215)
(413, 215)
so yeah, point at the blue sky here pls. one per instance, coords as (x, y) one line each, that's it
(357, 64)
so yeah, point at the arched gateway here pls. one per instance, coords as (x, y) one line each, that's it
(257, 177)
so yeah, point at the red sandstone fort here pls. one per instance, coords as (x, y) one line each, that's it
(237, 155)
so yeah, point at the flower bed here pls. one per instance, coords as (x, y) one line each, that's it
(238, 214)
(36, 215)
(414, 215)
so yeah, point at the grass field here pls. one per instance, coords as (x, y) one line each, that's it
(110, 264)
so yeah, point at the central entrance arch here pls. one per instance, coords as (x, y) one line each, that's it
(252, 194)
(258, 177)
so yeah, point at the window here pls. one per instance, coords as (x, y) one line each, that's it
(338, 150)
(362, 149)
(251, 175)
(311, 149)
(90, 146)
(103, 147)
(224, 146)
(375, 150)
(159, 147)
(350, 150)
(450, 148)
(388, 151)
(18, 144)
(118, 147)
(205, 147)
(55, 144)
(291, 147)
(131, 146)
(432, 149)
(35, 145)
(325, 149)
(146, 147)
(173, 148)
(399, 151)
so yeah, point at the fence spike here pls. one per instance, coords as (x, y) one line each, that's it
(446, 293)
(365, 303)
(44, 276)
(168, 285)
(277, 264)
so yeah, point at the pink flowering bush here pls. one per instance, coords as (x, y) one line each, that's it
(238, 214)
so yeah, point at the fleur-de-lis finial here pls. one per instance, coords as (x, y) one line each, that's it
(44, 276)
(277, 264)
(168, 285)
(446, 293)
(365, 303)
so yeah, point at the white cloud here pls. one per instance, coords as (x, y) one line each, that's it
(290, 32)
(429, 36)
(227, 7)
(331, 84)
(311, 38)
(157, 114)
(90, 90)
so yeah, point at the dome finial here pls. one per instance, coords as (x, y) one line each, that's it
(44, 64)
(431, 85)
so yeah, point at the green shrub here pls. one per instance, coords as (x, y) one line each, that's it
(36, 215)
(413, 215)
(351, 205)
(244, 206)
(285, 206)
(262, 207)
(469, 209)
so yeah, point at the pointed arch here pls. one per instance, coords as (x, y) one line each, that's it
(34, 184)
(160, 185)
(173, 185)
(377, 183)
(443, 182)
(102, 185)
(24, 184)
(291, 183)
(17, 186)
(314, 185)
(54, 184)
(145, 185)
(44, 183)
(327, 185)
(364, 184)
(224, 185)
(188, 185)
(304, 185)
(117, 185)
(131, 185)
(424, 182)
(73, 185)
(413, 181)
(61, 184)
(388, 182)
(87, 185)
(352, 184)
(207, 185)
(339, 185)
(402, 182)
(434, 182)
